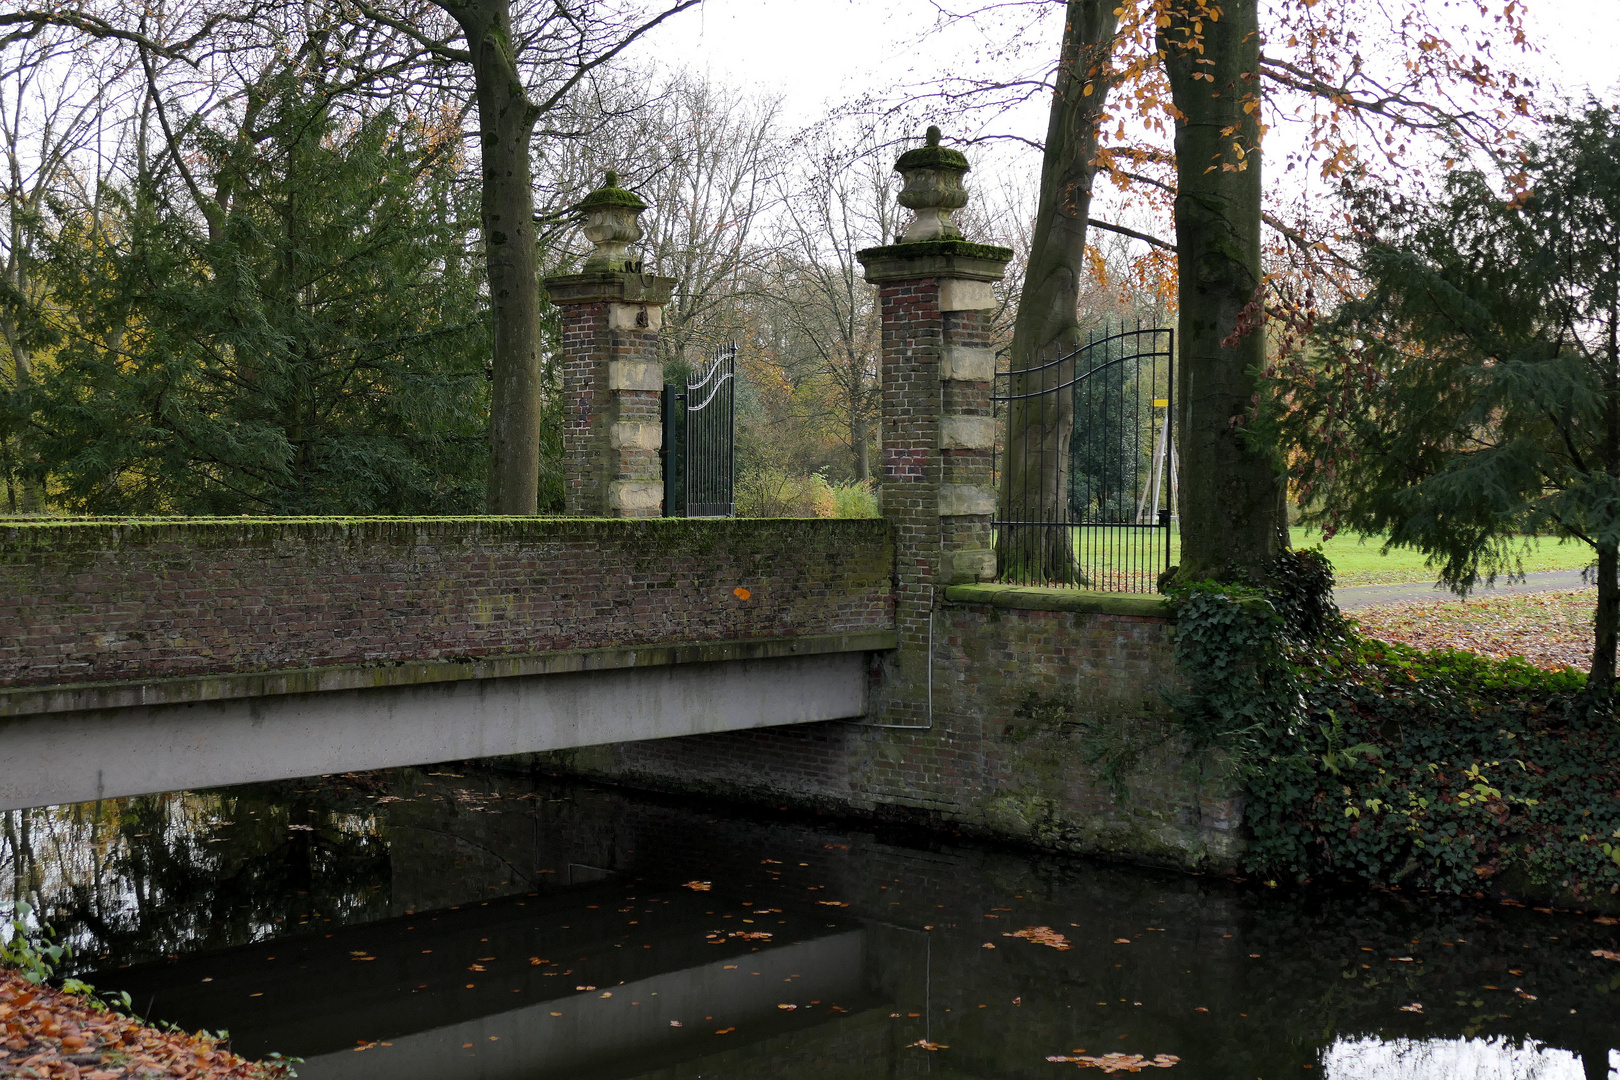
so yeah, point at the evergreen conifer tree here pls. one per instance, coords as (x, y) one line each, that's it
(1469, 397)
(322, 348)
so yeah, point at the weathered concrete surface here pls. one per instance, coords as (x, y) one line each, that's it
(76, 757)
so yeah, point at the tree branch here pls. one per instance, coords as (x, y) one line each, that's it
(1132, 233)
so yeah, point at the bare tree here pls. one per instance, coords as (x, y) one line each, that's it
(839, 200)
(54, 99)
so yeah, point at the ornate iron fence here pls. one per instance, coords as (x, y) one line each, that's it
(700, 439)
(1085, 464)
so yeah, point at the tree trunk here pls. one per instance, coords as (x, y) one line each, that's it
(1232, 495)
(506, 119)
(859, 439)
(1035, 467)
(1600, 678)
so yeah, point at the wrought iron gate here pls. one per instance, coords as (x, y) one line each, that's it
(1086, 465)
(700, 439)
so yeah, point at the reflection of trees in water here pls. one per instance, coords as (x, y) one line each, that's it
(164, 874)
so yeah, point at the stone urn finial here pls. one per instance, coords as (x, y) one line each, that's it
(933, 188)
(610, 223)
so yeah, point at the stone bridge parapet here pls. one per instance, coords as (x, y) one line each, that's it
(274, 605)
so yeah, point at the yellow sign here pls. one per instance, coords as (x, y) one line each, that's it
(1161, 403)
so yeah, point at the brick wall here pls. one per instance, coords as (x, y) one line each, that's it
(83, 602)
(586, 345)
(1023, 702)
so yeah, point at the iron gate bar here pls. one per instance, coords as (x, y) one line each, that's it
(700, 439)
(1112, 548)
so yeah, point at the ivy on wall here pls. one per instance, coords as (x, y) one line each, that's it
(1379, 763)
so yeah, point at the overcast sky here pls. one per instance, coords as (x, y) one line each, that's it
(820, 53)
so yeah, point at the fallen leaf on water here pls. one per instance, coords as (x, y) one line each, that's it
(1122, 941)
(1042, 935)
(725, 1031)
(1530, 997)
(926, 1045)
(698, 886)
(1415, 1007)
(1112, 1063)
(1605, 954)
(831, 903)
(987, 945)
(787, 1006)
(674, 1023)
(1607, 920)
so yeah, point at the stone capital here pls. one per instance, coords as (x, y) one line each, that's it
(958, 259)
(611, 287)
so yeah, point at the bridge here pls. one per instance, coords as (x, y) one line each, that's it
(156, 656)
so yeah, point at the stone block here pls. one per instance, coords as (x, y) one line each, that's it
(958, 363)
(972, 565)
(967, 433)
(635, 375)
(627, 435)
(635, 495)
(635, 317)
(966, 500)
(956, 294)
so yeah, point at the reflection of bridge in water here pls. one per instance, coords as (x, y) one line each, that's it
(599, 981)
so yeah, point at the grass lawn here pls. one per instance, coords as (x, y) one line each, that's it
(1356, 561)
(1359, 562)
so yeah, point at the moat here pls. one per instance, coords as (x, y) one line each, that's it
(454, 922)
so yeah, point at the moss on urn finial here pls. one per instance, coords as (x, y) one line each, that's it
(931, 155)
(611, 194)
(610, 223)
(933, 188)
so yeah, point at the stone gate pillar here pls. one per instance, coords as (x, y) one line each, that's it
(937, 368)
(612, 375)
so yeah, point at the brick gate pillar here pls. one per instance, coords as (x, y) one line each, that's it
(612, 374)
(937, 367)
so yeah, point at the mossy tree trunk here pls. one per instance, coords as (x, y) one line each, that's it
(1233, 513)
(506, 119)
(1035, 466)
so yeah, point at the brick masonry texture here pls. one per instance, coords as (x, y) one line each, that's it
(90, 602)
(1023, 701)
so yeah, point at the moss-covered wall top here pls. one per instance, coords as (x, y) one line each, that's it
(92, 600)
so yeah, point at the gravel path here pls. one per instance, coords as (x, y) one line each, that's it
(1360, 596)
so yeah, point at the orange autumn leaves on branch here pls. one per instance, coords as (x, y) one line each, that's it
(1345, 89)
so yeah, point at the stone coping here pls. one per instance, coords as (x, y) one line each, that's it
(192, 689)
(1035, 598)
(23, 536)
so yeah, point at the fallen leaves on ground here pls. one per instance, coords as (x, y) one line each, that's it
(1120, 1062)
(1549, 629)
(1042, 935)
(52, 1034)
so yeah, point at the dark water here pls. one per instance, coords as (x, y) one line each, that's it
(425, 924)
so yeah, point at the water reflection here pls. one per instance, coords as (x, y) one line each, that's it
(1443, 1059)
(479, 925)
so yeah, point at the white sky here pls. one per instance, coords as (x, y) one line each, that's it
(821, 53)
(816, 52)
